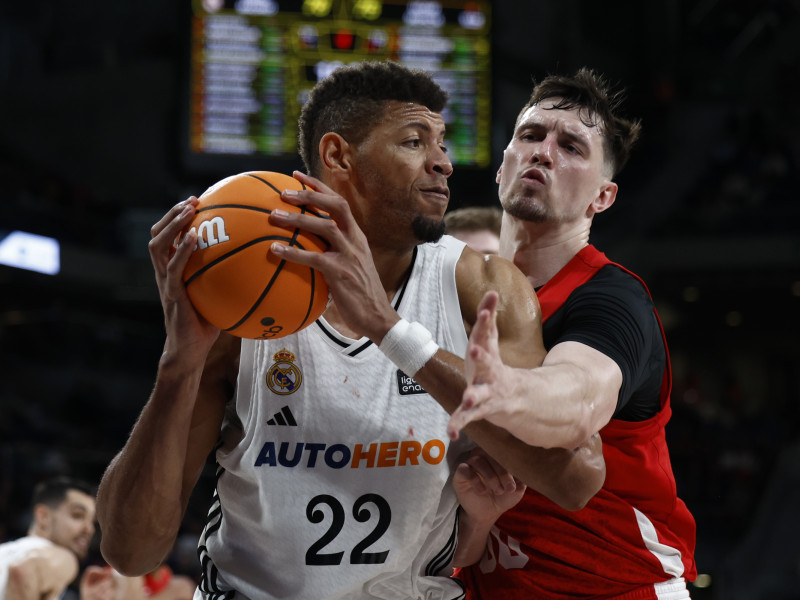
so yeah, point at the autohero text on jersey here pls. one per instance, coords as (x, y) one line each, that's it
(337, 456)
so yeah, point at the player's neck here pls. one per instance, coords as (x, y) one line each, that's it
(541, 250)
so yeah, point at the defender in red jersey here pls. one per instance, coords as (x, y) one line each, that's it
(607, 370)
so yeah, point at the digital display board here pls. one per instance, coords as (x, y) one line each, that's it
(253, 62)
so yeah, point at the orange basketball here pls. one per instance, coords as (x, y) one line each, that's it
(232, 278)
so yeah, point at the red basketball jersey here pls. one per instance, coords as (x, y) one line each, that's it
(635, 532)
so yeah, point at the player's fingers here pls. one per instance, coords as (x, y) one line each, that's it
(179, 210)
(455, 424)
(311, 182)
(489, 301)
(177, 265)
(485, 326)
(315, 260)
(460, 418)
(472, 408)
(493, 474)
(480, 366)
(164, 234)
(467, 479)
(328, 201)
(325, 228)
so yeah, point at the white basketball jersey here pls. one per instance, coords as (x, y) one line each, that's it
(15, 551)
(334, 476)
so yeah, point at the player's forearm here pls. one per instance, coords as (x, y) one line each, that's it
(549, 407)
(558, 474)
(570, 478)
(556, 405)
(473, 535)
(142, 495)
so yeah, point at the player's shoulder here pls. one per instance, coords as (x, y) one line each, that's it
(478, 273)
(489, 269)
(614, 280)
(60, 561)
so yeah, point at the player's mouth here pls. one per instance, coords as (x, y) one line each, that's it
(443, 192)
(534, 174)
(82, 545)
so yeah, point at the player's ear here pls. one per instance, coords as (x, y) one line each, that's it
(335, 154)
(499, 174)
(605, 198)
(41, 517)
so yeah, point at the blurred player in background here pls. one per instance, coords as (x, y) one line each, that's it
(42, 564)
(477, 226)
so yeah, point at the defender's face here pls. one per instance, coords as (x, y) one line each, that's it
(553, 168)
(403, 169)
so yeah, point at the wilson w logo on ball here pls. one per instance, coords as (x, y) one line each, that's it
(210, 233)
(233, 280)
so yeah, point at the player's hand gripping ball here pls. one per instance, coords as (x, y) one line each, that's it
(232, 278)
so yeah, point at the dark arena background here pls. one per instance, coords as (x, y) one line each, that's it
(101, 131)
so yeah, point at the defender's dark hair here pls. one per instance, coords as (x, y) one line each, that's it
(598, 106)
(53, 492)
(353, 98)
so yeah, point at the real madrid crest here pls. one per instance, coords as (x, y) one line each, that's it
(284, 377)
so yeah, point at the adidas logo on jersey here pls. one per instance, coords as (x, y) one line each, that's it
(406, 385)
(284, 417)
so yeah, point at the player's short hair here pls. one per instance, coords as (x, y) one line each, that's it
(353, 98)
(52, 492)
(598, 106)
(474, 218)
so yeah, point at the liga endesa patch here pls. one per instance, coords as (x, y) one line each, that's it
(407, 453)
(407, 386)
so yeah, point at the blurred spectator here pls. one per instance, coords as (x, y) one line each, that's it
(477, 226)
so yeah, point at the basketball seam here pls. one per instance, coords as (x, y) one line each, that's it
(242, 206)
(303, 210)
(257, 303)
(313, 212)
(260, 299)
(219, 259)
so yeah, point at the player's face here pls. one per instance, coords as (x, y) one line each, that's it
(553, 168)
(71, 525)
(402, 170)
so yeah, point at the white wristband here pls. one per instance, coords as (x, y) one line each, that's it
(409, 346)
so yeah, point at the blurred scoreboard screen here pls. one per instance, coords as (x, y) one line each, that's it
(253, 62)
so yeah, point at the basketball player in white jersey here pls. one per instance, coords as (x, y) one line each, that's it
(334, 465)
(43, 563)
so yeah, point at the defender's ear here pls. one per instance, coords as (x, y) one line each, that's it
(606, 197)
